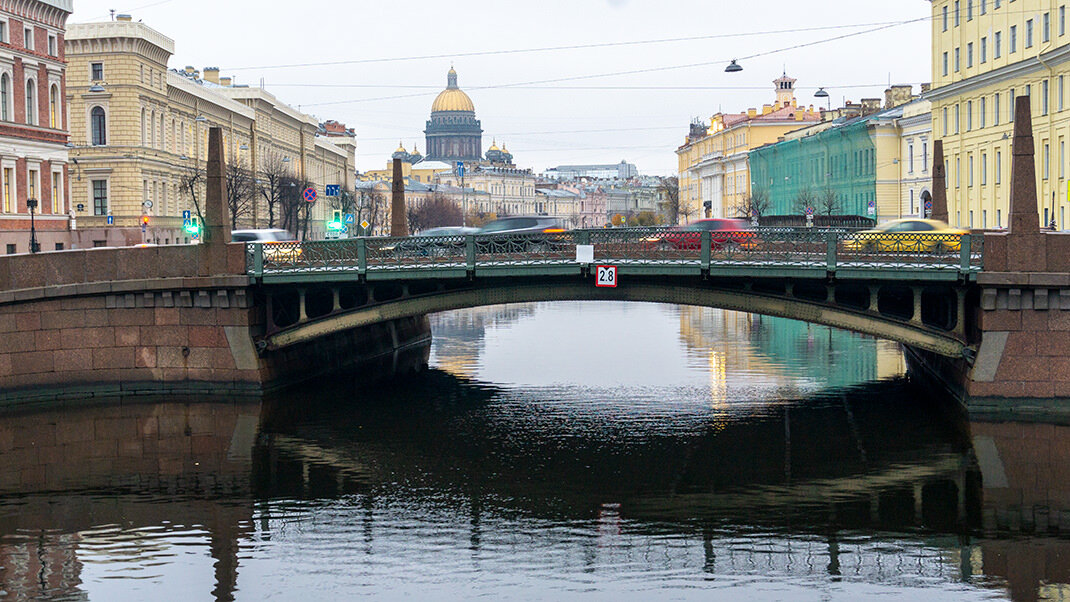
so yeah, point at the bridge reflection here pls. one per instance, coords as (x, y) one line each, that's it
(864, 484)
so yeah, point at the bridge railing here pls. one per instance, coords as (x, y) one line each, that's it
(831, 250)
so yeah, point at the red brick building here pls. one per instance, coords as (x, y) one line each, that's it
(33, 124)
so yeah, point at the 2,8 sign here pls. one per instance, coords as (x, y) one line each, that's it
(606, 276)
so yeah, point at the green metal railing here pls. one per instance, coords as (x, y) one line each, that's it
(638, 250)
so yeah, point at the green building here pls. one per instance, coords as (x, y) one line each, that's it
(837, 167)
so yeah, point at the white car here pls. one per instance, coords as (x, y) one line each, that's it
(274, 241)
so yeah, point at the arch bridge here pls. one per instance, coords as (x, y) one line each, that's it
(916, 289)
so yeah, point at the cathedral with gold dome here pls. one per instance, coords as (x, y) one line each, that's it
(453, 133)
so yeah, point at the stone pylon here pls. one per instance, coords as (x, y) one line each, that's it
(1023, 203)
(216, 214)
(399, 225)
(939, 195)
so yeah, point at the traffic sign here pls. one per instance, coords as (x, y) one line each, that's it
(606, 276)
(185, 214)
(364, 224)
(333, 190)
(310, 194)
(111, 221)
(809, 211)
(928, 205)
(460, 169)
(349, 218)
(872, 209)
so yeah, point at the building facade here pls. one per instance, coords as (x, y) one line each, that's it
(453, 133)
(915, 164)
(508, 190)
(33, 126)
(622, 170)
(713, 167)
(140, 132)
(986, 53)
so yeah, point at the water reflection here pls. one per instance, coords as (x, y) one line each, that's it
(797, 483)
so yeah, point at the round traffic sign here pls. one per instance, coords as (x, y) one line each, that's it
(310, 194)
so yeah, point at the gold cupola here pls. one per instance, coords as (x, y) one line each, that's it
(452, 98)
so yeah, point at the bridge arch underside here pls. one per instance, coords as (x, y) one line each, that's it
(922, 315)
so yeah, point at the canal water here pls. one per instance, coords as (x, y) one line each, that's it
(564, 451)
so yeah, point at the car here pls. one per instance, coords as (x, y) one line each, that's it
(908, 235)
(523, 224)
(274, 241)
(436, 242)
(725, 233)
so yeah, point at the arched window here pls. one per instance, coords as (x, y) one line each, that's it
(98, 126)
(53, 107)
(162, 140)
(152, 126)
(144, 131)
(5, 97)
(31, 102)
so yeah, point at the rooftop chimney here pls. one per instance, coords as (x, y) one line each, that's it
(189, 69)
(211, 74)
(126, 18)
(225, 82)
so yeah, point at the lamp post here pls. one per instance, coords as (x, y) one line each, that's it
(31, 204)
(821, 93)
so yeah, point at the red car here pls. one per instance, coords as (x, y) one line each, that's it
(723, 233)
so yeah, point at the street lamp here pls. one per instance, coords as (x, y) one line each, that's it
(31, 204)
(821, 93)
(733, 67)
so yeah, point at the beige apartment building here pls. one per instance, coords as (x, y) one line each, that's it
(139, 133)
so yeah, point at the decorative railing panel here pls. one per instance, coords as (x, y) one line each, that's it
(765, 247)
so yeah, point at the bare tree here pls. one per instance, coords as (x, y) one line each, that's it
(755, 205)
(436, 211)
(828, 203)
(273, 175)
(669, 191)
(294, 211)
(241, 192)
(804, 199)
(193, 184)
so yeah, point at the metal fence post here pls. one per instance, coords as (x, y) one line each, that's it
(470, 252)
(705, 243)
(831, 242)
(965, 245)
(258, 259)
(362, 255)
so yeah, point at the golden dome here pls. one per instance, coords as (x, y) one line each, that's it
(493, 146)
(452, 98)
(401, 148)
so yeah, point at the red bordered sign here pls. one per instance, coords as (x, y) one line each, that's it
(310, 194)
(606, 275)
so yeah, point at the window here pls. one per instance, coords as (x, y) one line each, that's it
(96, 71)
(98, 126)
(59, 246)
(52, 45)
(969, 115)
(1062, 159)
(910, 157)
(984, 6)
(945, 18)
(924, 156)
(1044, 95)
(31, 102)
(969, 55)
(100, 197)
(1013, 39)
(999, 166)
(984, 50)
(969, 10)
(57, 193)
(1062, 20)
(981, 115)
(1010, 110)
(945, 63)
(947, 173)
(984, 218)
(1062, 87)
(957, 62)
(957, 171)
(957, 13)
(31, 184)
(7, 184)
(5, 97)
(984, 169)
(53, 107)
(3, 32)
(11, 249)
(1028, 33)
(945, 121)
(995, 109)
(957, 115)
(1047, 159)
(969, 170)
(997, 49)
(1045, 28)
(27, 37)
(144, 130)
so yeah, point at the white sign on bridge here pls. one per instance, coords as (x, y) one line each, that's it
(606, 276)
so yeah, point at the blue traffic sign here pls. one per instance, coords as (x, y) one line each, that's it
(185, 215)
(350, 218)
(928, 205)
(872, 204)
(310, 194)
(111, 220)
(333, 190)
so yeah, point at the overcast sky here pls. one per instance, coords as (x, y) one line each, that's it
(589, 120)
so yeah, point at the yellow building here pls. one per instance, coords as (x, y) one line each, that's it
(985, 53)
(139, 133)
(413, 167)
(713, 164)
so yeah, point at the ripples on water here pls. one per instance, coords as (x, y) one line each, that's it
(554, 451)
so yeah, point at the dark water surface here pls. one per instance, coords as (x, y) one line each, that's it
(560, 451)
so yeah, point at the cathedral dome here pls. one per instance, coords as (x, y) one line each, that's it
(452, 98)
